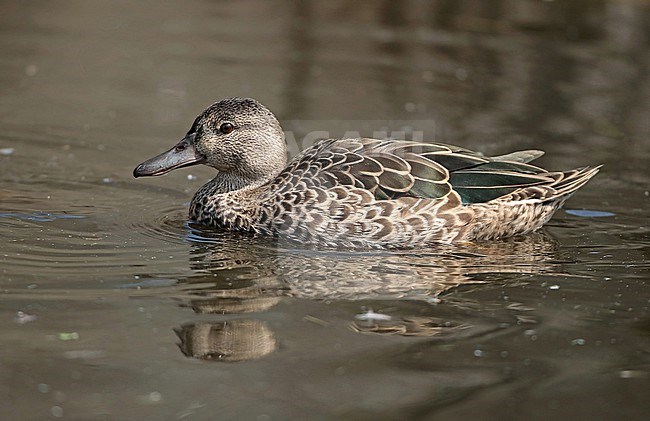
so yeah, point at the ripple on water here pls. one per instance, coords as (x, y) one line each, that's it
(92, 229)
(166, 223)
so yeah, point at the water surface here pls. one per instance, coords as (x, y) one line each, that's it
(115, 306)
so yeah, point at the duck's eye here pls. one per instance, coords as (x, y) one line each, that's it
(226, 128)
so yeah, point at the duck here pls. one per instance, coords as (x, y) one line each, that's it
(359, 192)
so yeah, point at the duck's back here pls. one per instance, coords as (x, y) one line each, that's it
(382, 193)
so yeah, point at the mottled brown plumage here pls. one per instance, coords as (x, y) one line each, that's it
(365, 193)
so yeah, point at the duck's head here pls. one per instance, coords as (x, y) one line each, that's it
(238, 136)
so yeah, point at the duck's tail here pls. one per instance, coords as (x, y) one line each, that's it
(559, 187)
(569, 181)
(527, 209)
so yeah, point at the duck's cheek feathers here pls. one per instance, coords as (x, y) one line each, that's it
(222, 155)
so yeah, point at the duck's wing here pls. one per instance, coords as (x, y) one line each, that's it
(394, 169)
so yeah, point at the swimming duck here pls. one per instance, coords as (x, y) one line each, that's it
(365, 193)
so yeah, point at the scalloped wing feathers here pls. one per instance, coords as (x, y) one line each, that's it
(379, 193)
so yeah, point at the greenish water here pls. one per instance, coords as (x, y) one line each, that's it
(114, 306)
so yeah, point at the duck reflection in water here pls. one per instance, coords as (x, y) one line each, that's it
(231, 341)
(250, 276)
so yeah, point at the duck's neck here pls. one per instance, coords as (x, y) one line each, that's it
(227, 182)
(208, 201)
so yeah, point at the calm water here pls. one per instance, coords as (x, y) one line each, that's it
(114, 306)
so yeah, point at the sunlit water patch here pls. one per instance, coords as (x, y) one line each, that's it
(586, 213)
(39, 216)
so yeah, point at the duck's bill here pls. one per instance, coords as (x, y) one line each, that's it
(183, 154)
